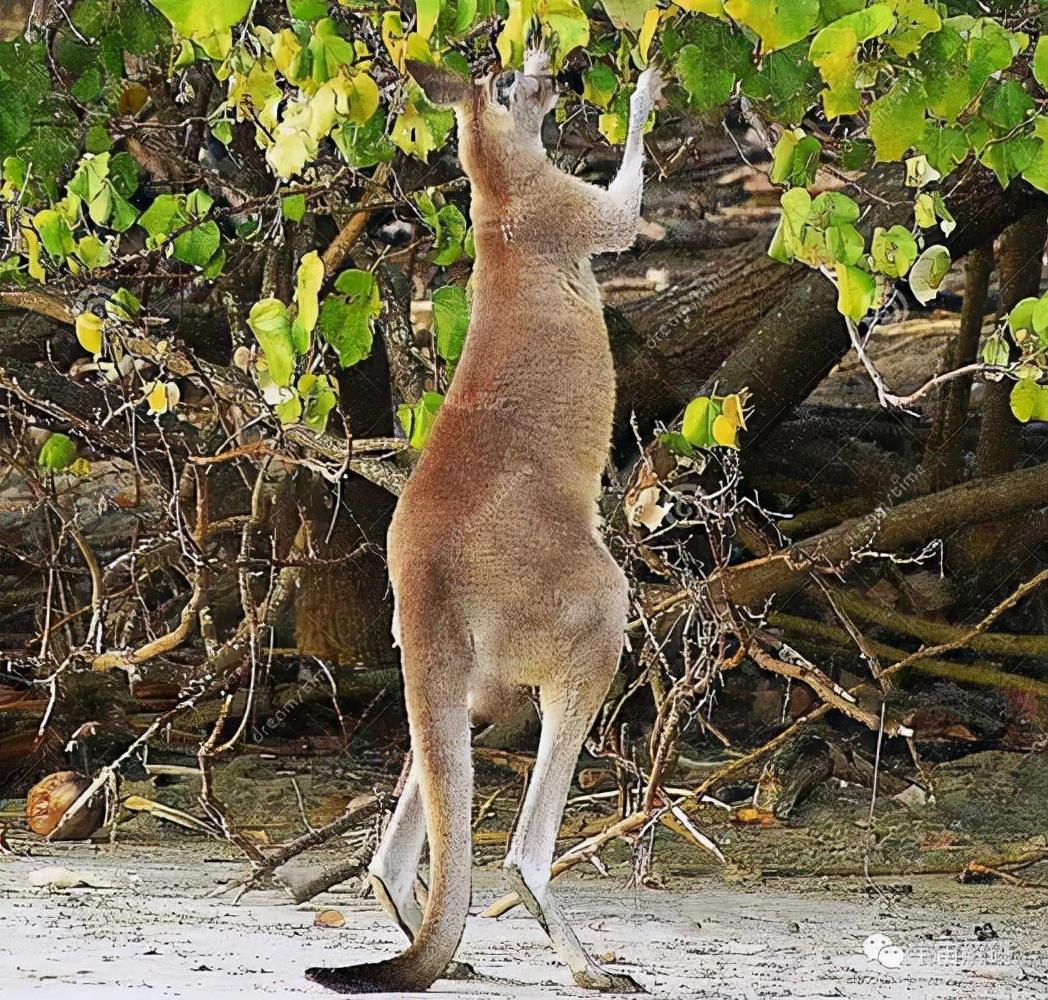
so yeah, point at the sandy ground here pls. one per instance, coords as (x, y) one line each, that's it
(151, 933)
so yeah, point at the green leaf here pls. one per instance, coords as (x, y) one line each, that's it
(198, 245)
(709, 85)
(92, 252)
(795, 161)
(796, 207)
(1036, 171)
(427, 12)
(307, 10)
(90, 183)
(1022, 316)
(991, 49)
(420, 128)
(834, 51)
(97, 140)
(916, 20)
(206, 22)
(346, 318)
(831, 208)
(844, 243)
(785, 82)
(893, 250)
(465, 15)
(124, 173)
(856, 154)
(451, 230)
(1010, 157)
(627, 13)
(293, 207)
(58, 452)
(418, 419)
(222, 130)
(164, 216)
(614, 123)
(1005, 105)
(855, 291)
(364, 145)
(924, 210)
(269, 322)
(1040, 61)
(55, 233)
(123, 305)
(996, 350)
(945, 147)
(329, 51)
(319, 394)
(943, 65)
(928, 272)
(123, 214)
(450, 321)
(777, 23)
(697, 426)
(567, 22)
(89, 86)
(599, 84)
(1029, 401)
(897, 119)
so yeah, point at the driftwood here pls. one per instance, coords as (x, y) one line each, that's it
(886, 530)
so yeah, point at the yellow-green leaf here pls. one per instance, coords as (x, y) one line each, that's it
(58, 452)
(308, 281)
(269, 322)
(1029, 401)
(711, 8)
(855, 291)
(778, 22)
(89, 332)
(427, 12)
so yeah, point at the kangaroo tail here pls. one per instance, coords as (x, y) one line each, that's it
(440, 742)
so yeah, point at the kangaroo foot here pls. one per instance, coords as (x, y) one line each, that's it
(596, 978)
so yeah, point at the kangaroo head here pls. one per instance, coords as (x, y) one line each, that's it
(498, 145)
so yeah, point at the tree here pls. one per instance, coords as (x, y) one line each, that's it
(239, 250)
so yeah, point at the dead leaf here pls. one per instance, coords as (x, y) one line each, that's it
(752, 816)
(329, 918)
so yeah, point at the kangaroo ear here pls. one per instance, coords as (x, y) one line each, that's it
(439, 84)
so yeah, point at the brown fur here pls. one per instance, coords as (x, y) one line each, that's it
(500, 577)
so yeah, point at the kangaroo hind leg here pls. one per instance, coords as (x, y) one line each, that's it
(394, 868)
(569, 706)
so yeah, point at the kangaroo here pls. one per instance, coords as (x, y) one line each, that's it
(501, 581)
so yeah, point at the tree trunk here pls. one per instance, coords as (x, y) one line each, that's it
(1019, 275)
(945, 446)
